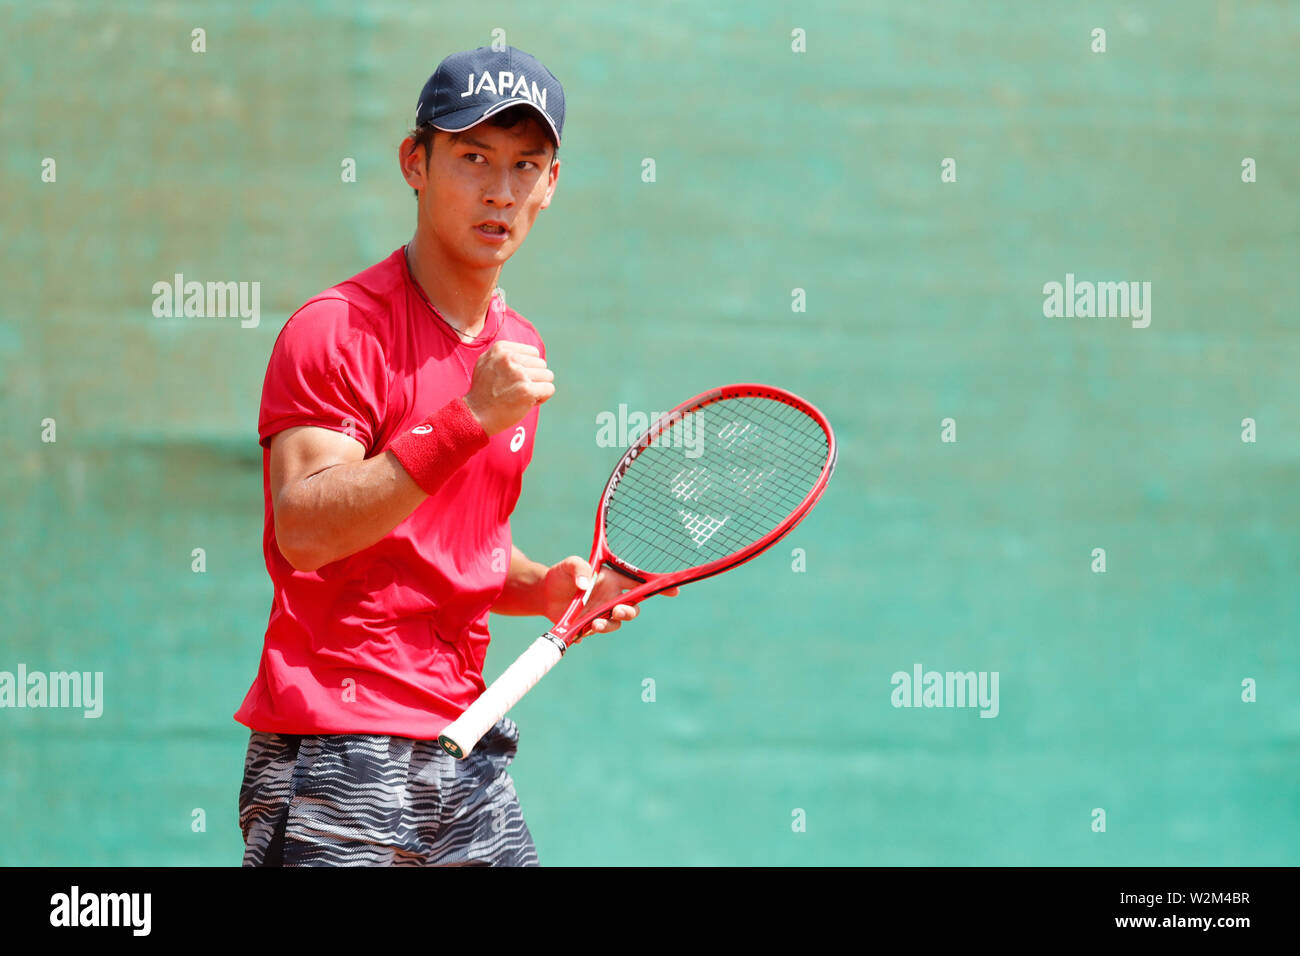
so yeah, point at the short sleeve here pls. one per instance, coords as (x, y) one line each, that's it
(327, 369)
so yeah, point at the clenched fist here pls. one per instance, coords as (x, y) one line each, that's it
(509, 379)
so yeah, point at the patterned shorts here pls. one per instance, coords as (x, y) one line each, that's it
(363, 800)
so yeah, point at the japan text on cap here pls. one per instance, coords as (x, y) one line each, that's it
(469, 87)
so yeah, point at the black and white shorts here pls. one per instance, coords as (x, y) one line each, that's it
(363, 800)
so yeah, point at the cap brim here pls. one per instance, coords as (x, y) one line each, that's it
(462, 120)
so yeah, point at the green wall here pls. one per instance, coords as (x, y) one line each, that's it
(774, 171)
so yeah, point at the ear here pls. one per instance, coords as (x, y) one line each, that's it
(554, 176)
(413, 163)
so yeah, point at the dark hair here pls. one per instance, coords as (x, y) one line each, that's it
(506, 119)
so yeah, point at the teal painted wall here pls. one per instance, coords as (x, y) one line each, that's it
(775, 171)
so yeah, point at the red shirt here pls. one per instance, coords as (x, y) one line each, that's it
(389, 640)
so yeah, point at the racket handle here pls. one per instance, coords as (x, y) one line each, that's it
(462, 734)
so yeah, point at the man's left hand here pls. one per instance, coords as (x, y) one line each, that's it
(567, 579)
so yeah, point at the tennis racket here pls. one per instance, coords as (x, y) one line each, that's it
(716, 481)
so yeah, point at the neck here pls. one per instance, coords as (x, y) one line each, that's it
(461, 296)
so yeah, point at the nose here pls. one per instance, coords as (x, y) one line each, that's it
(498, 191)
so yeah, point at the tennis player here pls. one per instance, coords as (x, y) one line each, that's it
(398, 414)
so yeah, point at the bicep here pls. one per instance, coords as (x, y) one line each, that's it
(299, 452)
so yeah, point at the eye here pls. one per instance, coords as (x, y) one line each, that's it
(475, 158)
(526, 164)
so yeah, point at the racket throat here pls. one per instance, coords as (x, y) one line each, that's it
(590, 587)
(625, 570)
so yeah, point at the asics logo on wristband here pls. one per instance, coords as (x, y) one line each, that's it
(421, 429)
(517, 442)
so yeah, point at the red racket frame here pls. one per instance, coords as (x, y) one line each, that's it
(574, 623)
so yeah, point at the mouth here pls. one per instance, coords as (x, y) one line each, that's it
(494, 230)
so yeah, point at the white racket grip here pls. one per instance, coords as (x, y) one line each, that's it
(463, 734)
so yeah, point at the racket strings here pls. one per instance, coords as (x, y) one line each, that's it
(713, 514)
(713, 483)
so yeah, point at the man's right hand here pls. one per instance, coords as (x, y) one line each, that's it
(509, 379)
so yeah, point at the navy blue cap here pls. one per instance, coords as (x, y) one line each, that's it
(469, 87)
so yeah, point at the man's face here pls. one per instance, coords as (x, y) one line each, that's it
(481, 189)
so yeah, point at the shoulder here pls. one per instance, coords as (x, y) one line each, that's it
(324, 333)
(375, 288)
(355, 310)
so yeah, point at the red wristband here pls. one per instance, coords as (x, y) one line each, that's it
(432, 450)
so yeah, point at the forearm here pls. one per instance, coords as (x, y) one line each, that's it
(524, 593)
(343, 509)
